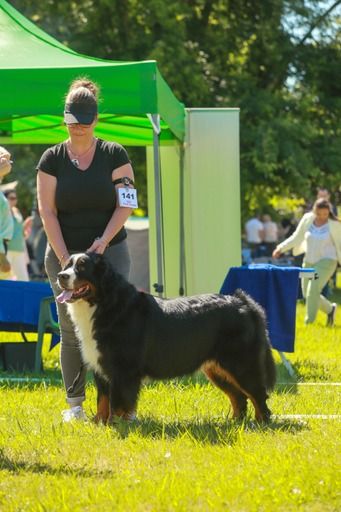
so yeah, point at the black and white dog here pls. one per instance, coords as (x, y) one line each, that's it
(127, 335)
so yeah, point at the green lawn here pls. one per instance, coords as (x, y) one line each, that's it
(184, 453)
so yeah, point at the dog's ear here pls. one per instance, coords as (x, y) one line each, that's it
(97, 260)
(102, 267)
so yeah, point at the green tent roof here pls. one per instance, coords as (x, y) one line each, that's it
(36, 70)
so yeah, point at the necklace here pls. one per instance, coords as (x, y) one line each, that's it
(76, 158)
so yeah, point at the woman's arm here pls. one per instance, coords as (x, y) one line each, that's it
(46, 192)
(296, 238)
(119, 216)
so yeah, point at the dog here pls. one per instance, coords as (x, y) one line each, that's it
(127, 335)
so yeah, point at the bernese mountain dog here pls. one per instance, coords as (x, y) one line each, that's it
(127, 334)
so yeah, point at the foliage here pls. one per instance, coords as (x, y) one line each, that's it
(278, 60)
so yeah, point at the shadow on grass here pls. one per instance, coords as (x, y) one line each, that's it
(17, 466)
(313, 371)
(30, 380)
(223, 432)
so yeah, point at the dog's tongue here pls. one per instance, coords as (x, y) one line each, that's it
(64, 296)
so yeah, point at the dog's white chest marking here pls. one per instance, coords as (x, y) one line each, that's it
(81, 315)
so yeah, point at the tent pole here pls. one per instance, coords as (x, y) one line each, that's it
(159, 286)
(182, 269)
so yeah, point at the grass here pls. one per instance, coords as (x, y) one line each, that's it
(184, 453)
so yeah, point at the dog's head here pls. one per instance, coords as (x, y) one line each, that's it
(80, 278)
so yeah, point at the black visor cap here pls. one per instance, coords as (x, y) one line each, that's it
(79, 113)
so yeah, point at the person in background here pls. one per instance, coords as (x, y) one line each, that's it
(79, 200)
(254, 232)
(270, 234)
(287, 228)
(323, 193)
(6, 220)
(36, 243)
(16, 250)
(318, 235)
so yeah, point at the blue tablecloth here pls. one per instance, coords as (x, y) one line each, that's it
(20, 303)
(275, 288)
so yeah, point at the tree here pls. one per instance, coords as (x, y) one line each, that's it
(277, 60)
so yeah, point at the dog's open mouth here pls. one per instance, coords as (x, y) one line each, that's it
(72, 295)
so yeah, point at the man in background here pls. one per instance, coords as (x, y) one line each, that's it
(270, 234)
(254, 232)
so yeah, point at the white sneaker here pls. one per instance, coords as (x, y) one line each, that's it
(74, 413)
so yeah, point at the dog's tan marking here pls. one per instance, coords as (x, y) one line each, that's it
(212, 374)
(103, 409)
(225, 375)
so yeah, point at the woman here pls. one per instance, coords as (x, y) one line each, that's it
(79, 203)
(17, 252)
(6, 221)
(318, 235)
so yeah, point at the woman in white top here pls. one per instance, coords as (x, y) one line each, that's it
(318, 235)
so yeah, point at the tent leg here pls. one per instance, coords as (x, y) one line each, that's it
(155, 119)
(287, 364)
(182, 272)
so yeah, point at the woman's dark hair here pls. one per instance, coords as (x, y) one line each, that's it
(324, 204)
(83, 90)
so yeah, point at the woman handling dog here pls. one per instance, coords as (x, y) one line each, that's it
(78, 184)
(318, 235)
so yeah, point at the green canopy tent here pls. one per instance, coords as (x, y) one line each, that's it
(138, 107)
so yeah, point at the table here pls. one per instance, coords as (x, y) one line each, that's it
(275, 288)
(20, 311)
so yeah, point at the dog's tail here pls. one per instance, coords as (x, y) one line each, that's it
(266, 359)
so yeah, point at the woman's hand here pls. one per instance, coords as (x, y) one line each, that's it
(64, 260)
(99, 245)
(4, 263)
(276, 254)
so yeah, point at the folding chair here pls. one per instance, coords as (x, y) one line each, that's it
(46, 323)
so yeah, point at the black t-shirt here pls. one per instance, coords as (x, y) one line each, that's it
(85, 200)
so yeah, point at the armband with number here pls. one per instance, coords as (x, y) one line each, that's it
(125, 180)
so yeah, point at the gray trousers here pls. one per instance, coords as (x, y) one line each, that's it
(312, 288)
(73, 369)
